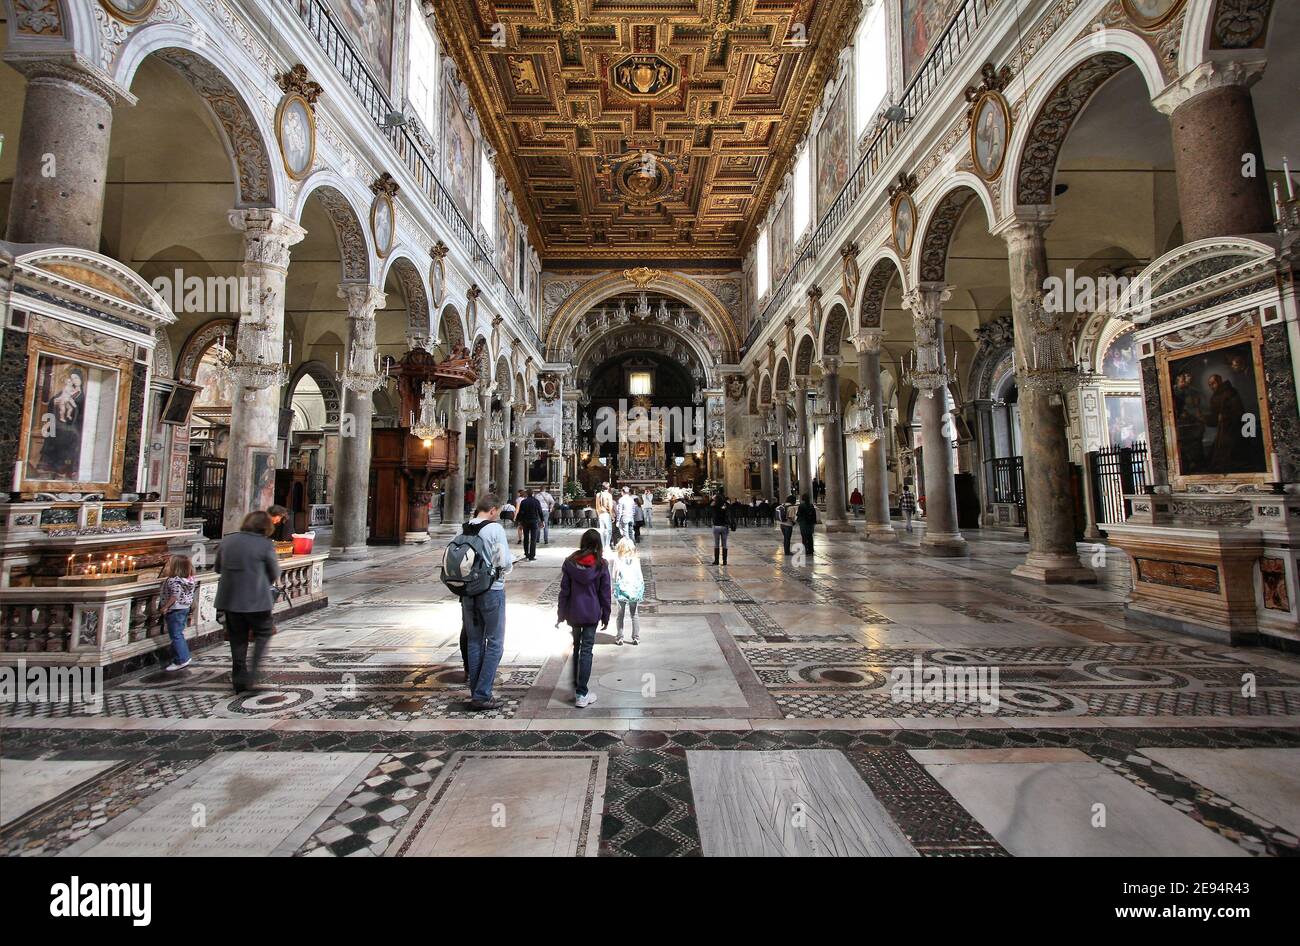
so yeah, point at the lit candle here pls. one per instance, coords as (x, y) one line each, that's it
(336, 362)
(1286, 176)
(1277, 202)
(1277, 468)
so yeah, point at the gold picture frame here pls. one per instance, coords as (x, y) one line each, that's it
(1149, 21)
(1184, 465)
(130, 14)
(903, 199)
(40, 353)
(289, 105)
(383, 203)
(977, 128)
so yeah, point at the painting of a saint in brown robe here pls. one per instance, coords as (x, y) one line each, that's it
(1219, 426)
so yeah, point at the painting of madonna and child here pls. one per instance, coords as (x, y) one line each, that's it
(72, 424)
(1214, 397)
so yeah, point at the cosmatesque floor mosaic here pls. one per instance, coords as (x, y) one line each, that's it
(864, 701)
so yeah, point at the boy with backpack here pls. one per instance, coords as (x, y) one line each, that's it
(474, 567)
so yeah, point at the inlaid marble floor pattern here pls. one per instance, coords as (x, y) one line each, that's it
(868, 701)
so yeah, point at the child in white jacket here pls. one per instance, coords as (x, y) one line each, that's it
(629, 587)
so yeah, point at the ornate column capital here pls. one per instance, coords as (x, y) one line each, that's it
(1025, 225)
(73, 70)
(925, 300)
(362, 298)
(830, 364)
(1208, 76)
(268, 234)
(868, 341)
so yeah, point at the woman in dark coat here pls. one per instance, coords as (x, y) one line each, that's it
(249, 569)
(724, 520)
(585, 598)
(807, 519)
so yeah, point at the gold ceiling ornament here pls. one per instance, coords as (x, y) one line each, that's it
(642, 276)
(297, 82)
(439, 250)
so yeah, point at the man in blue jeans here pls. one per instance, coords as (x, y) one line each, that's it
(483, 617)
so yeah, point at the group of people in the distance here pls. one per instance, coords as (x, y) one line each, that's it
(601, 572)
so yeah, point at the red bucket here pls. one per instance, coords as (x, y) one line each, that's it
(303, 542)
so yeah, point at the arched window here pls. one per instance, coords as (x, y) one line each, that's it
(422, 70)
(761, 265)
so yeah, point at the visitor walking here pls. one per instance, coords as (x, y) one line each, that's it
(626, 511)
(584, 600)
(483, 615)
(249, 568)
(530, 521)
(638, 518)
(724, 521)
(907, 505)
(785, 513)
(855, 500)
(605, 515)
(178, 584)
(547, 502)
(806, 516)
(679, 513)
(648, 504)
(519, 526)
(629, 588)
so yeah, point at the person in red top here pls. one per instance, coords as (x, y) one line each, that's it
(584, 600)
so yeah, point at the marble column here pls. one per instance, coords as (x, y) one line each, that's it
(502, 467)
(875, 466)
(482, 455)
(453, 501)
(984, 437)
(1215, 134)
(254, 411)
(1049, 502)
(941, 533)
(806, 432)
(836, 518)
(352, 496)
(765, 470)
(62, 163)
(782, 453)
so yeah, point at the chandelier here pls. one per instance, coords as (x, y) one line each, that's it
(927, 374)
(585, 425)
(821, 410)
(362, 375)
(429, 426)
(866, 425)
(1050, 370)
(260, 371)
(496, 438)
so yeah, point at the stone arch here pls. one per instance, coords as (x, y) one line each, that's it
(200, 340)
(884, 268)
(319, 372)
(805, 350)
(450, 328)
(1059, 98)
(765, 390)
(996, 338)
(833, 330)
(481, 358)
(353, 243)
(781, 376)
(402, 267)
(246, 132)
(938, 223)
(702, 356)
(595, 291)
(501, 377)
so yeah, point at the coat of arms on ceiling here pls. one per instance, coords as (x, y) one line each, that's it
(643, 75)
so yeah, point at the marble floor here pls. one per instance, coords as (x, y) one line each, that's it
(866, 701)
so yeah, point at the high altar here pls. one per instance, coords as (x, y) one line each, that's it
(82, 404)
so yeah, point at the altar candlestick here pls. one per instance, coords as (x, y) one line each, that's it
(1286, 176)
(68, 572)
(1277, 201)
(1277, 468)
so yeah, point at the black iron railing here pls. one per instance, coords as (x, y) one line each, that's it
(337, 46)
(945, 53)
(1007, 480)
(205, 493)
(1116, 472)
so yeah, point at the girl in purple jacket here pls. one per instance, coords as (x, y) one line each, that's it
(584, 600)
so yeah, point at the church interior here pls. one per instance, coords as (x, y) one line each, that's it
(924, 373)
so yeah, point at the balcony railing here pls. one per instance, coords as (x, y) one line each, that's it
(335, 43)
(945, 53)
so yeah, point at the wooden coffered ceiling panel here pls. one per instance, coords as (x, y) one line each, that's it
(633, 129)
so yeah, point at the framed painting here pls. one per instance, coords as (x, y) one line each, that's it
(460, 153)
(295, 129)
(783, 240)
(1216, 419)
(990, 130)
(1126, 421)
(383, 223)
(130, 11)
(1120, 363)
(262, 467)
(922, 22)
(903, 216)
(1149, 14)
(74, 420)
(370, 24)
(179, 404)
(833, 153)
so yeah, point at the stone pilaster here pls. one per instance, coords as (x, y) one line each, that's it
(518, 467)
(1049, 504)
(482, 454)
(353, 491)
(62, 167)
(833, 441)
(1212, 119)
(453, 500)
(941, 533)
(806, 432)
(255, 413)
(875, 468)
(765, 471)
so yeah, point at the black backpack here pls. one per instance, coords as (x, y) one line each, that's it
(467, 568)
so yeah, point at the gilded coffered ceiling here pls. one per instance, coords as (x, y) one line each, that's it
(634, 129)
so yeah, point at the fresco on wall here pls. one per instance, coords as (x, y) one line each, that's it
(369, 23)
(923, 22)
(833, 153)
(461, 154)
(1121, 361)
(782, 241)
(507, 244)
(1126, 423)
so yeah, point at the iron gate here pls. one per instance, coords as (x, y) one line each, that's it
(1116, 471)
(205, 493)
